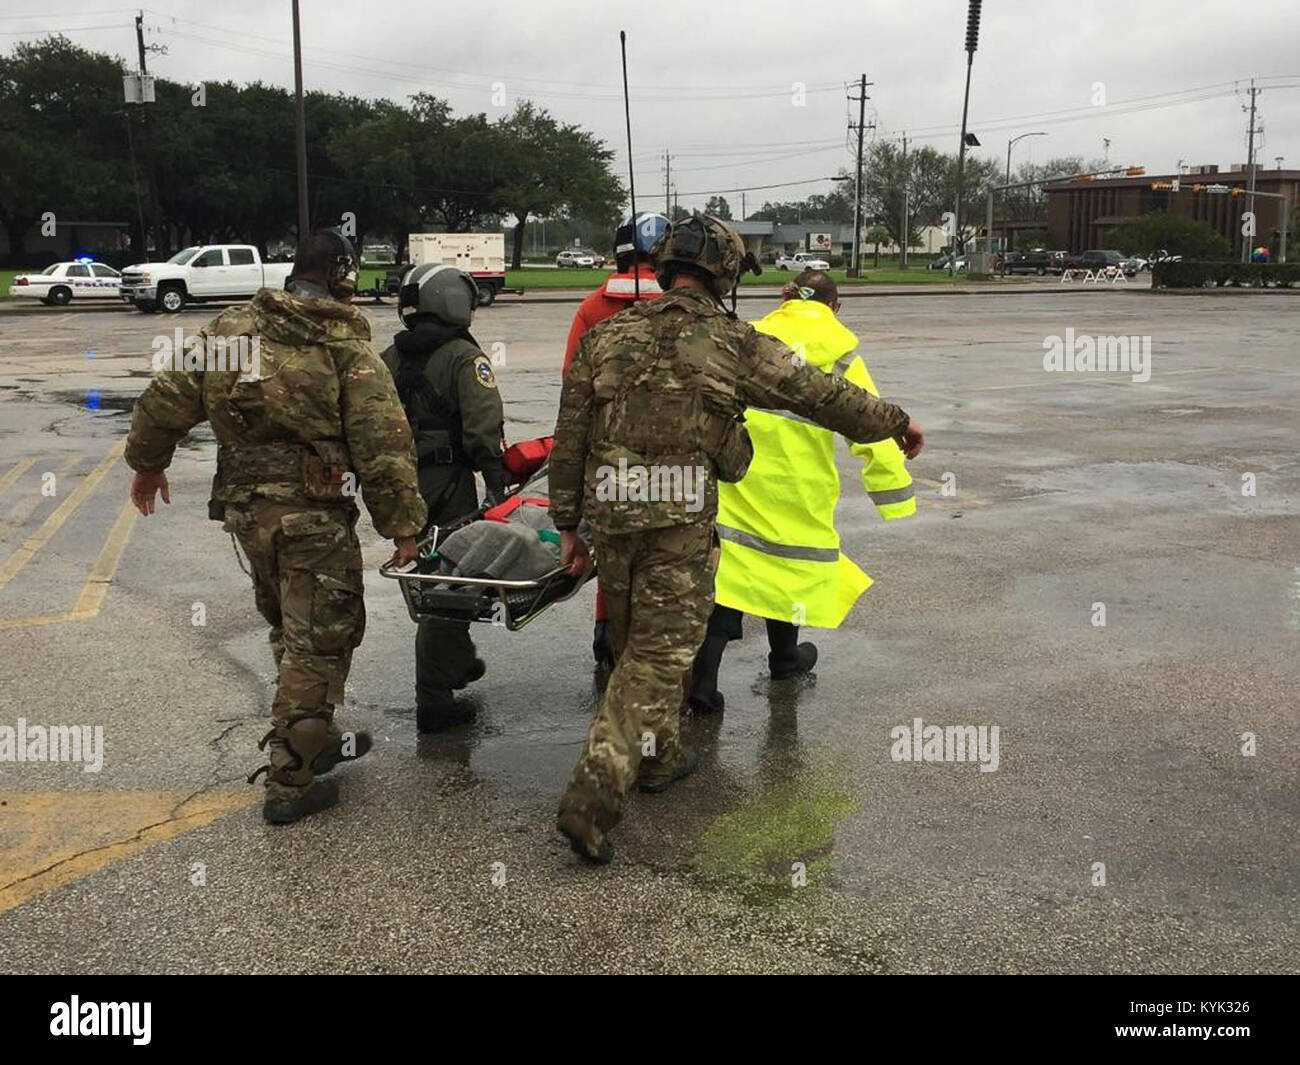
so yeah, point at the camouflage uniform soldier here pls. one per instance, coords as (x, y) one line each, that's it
(298, 424)
(449, 392)
(660, 389)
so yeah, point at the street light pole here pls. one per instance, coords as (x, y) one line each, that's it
(972, 42)
(1012, 141)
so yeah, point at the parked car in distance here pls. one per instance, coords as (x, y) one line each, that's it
(801, 260)
(1027, 262)
(200, 273)
(574, 257)
(1103, 259)
(940, 262)
(60, 283)
(597, 259)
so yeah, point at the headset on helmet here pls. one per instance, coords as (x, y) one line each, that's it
(637, 236)
(343, 265)
(438, 291)
(707, 244)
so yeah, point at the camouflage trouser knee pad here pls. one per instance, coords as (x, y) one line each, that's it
(294, 746)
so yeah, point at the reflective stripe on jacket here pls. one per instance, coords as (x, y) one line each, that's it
(780, 552)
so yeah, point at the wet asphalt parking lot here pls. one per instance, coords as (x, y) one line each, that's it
(1121, 745)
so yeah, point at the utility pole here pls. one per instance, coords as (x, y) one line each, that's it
(146, 146)
(668, 176)
(904, 233)
(300, 116)
(742, 207)
(139, 41)
(855, 264)
(1250, 168)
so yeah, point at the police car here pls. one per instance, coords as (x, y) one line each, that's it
(59, 283)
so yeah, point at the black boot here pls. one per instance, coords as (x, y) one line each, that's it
(475, 671)
(788, 657)
(704, 694)
(442, 712)
(602, 646)
(444, 662)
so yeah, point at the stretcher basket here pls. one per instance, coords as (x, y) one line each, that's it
(434, 596)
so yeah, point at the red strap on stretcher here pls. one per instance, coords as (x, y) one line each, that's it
(525, 458)
(503, 510)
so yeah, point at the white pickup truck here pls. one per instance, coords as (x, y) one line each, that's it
(203, 272)
(802, 260)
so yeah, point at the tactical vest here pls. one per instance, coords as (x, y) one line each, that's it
(435, 418)
(658, 411)
(254, 467)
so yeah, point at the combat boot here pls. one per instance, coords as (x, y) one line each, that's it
(704, 694)
(788, 658)
(442, 712)
(659, 776)
(588, 841)
(291, 790)
(333, 753)
(285, 804)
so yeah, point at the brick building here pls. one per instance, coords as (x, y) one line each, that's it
(1080, 213)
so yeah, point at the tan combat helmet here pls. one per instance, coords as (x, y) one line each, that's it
(706, 243)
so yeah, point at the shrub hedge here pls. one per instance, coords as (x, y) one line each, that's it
(1191, 273)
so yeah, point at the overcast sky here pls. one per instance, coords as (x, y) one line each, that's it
(715, 84)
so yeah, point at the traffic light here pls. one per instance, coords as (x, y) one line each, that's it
(1135, 171)
(1163, 186)
(1238, 191)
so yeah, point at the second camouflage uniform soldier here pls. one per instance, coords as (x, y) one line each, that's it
(300, 427)
(656, 394)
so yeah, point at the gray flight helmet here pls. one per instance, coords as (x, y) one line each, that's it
(439, 291)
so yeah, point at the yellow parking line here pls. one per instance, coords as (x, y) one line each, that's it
(22, 510)
(101, 573)
(49, 839)
(15, 562)
(20, 467)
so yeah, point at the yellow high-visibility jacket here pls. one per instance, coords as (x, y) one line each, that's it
(780, 551)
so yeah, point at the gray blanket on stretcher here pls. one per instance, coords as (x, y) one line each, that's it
(504, 551)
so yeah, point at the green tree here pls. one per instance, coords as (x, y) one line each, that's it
(718, 207)
(63, 138)
(877, 235)
(1175, 233)
(541, 166)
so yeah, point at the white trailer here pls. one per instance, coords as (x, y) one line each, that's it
(481, 255)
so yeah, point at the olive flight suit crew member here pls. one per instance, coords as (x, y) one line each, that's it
(449, 392)
(304, 416)
(650, 419)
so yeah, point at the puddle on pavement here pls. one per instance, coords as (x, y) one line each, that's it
(93, 399)
(756, 846)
